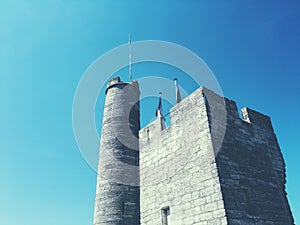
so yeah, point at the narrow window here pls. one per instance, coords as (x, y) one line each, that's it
(148, 136)
(123, 208)
(165, 212)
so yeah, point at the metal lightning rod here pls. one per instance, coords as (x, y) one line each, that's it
(130, 60)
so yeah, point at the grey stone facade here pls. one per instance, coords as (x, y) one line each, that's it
(209, 167)
(117, 192)
(178, 168)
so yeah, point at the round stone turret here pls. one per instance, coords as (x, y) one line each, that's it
(117, 194)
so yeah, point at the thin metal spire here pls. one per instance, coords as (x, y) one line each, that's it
(130, 60)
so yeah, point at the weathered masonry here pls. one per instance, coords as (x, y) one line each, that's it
(208, 167)
(117, 193)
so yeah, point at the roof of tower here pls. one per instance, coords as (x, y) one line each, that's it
(116, 81)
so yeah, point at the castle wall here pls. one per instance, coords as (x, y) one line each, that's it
(251, 168)
(212, 167)
(178, 168)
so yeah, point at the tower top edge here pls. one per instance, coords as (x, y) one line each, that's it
(116, 81)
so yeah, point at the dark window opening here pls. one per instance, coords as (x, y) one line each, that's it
(165, 212)
(123, 208)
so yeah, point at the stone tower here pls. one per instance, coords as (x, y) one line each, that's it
(193, 174)
(209, 166)
(117, 192)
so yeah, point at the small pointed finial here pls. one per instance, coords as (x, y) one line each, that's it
(178, 96)
(159, 107)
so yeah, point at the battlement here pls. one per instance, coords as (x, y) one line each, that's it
(217, 109)
(116, 82)
(256, 118)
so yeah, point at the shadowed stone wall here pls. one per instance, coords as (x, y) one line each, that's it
(251, 168)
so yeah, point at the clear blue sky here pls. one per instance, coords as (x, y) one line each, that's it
(253, 48)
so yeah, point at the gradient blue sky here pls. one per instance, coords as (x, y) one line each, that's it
(252, 47)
